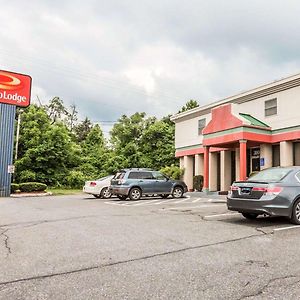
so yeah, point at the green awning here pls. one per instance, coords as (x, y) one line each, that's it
(253, 121)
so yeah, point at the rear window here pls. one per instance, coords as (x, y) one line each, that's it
(270, 175)
(140, 175)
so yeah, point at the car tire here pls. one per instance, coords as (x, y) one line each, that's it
(295, 219)
(177, 192)
(122, 197)
(135, 194)
(97, 196)
(164, 196)
(105, 193)
(250, 216)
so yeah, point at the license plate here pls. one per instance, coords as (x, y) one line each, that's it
(245, 190)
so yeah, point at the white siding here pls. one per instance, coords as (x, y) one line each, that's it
(186, 132)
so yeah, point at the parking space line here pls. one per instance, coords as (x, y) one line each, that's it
(186, 199)
(220, 215)
(196, 200)
(188, 207)
(287, 228)
(143, 202)
(165, 201)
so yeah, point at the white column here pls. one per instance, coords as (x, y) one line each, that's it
(213, 171)
(286, 154)
(237, 164)
(181, 162)
(267, 155)
(188, 171)
(199, 164)
(225, 170)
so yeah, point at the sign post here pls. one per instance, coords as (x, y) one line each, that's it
(15, 90)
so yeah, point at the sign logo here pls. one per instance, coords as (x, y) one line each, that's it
(15, 89)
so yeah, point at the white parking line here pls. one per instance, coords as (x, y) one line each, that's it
(196, 200)
(186, 199)
(188, 207)
(143, 202)
(220, 215)
(165, 201)
(286, 228)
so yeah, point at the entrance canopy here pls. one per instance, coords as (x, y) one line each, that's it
(226, 129)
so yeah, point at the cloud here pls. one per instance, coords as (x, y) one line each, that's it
(118, 57)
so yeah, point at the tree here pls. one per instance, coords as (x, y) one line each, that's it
(56, 110)
(72, 117)
(189, 105)
(158, 144)
(83, 129)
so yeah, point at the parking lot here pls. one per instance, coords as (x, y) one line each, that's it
(80, 247)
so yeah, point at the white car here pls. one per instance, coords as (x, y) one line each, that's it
(99, 188)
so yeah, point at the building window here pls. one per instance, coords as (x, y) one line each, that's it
(271, 107)
(201, 125)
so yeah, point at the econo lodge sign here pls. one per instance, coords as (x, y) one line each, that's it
(15, 88)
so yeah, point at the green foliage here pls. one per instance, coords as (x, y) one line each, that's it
(189, 105)
(32, 187)
(172, 171)
(75, 179)
(59, 152)
(27, 176)
(14, 187)
(198, 183)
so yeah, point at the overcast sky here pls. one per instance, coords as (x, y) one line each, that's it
(117, 57)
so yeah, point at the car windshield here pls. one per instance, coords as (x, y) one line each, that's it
(270, 175)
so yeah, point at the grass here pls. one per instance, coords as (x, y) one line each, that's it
(61, 191)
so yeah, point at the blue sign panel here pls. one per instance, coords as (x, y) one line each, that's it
(262, 162)
(7, 121)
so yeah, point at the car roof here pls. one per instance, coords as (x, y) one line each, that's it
(135, 169)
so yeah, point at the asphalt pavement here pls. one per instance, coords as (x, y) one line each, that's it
(80, 247)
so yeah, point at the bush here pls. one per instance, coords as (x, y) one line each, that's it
(172, 171)
(198, 183)
(32, 187)
(75, 179)
(14, 187)
(27, 176)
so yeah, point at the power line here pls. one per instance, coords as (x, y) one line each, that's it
(78, 74)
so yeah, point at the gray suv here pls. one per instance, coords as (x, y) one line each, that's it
(134, 183)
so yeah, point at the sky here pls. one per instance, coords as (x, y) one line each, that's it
(117, 57)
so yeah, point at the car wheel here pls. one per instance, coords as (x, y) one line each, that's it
(177, 192)
(296, 213)
(97, 196)
(164, 196)
(122, 197)
(135, 194)
(250, 216)
(105, 193)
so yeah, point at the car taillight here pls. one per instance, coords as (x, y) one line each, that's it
(234, 188)
(269, 191)
(93, 183)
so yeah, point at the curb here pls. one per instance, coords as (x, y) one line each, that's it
(30, 195)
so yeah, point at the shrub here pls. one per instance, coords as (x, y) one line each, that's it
(32, 187)
(198, 183)
(14, 187)
(75, 179)
(27, 176)
(172, 171)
